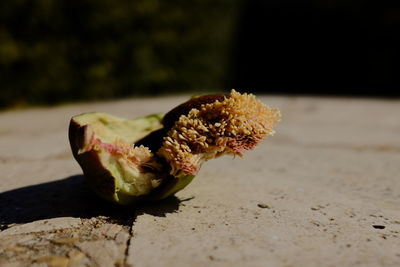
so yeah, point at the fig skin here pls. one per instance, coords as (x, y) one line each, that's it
(101, 180)
(183, 109)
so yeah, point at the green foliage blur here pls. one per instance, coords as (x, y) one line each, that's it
(52, 51)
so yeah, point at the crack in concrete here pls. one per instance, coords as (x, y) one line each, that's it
(128, 241)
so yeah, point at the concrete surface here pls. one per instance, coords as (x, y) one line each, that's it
(324, 191)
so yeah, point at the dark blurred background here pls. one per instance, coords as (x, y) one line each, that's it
(55, 51)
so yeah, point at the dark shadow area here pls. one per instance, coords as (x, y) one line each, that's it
(161, 208)
(71, 197)
(335, 47)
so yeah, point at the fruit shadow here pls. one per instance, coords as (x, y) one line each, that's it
(71, 197)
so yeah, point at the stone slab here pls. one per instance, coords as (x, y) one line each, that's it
(324, 191)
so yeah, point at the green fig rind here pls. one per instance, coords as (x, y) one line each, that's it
(101, 179)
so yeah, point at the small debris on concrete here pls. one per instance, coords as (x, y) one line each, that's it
(263, 206)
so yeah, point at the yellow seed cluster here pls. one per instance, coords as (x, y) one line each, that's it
(230, 126)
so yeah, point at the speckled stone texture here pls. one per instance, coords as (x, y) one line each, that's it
(324, 191)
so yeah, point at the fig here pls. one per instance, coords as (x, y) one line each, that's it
(150, 158)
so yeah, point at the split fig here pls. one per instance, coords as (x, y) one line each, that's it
(150, 158)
